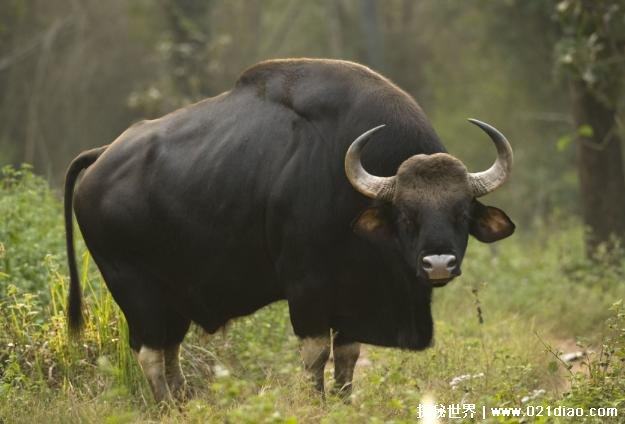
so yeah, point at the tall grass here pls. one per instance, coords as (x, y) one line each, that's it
(34, 333)
(531, 292)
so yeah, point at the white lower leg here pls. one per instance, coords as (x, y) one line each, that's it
(152, 363)
(315, 353)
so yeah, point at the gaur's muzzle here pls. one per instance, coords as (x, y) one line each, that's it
(440, 267)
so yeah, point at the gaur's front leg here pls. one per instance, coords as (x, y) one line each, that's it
(309, 317)
(346, 353)
(315, 353)
(173, 372)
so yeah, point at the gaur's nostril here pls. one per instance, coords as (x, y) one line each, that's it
(451, 262)
(426, 263)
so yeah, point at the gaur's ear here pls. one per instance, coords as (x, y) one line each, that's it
(489, 224)
(373, 224)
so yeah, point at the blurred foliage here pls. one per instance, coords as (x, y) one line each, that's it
(29, 230)
(66, 68)
(592, 46)
(591, 53)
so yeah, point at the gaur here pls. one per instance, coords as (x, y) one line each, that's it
(315, 181)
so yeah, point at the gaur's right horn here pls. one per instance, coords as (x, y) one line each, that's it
(367, 184)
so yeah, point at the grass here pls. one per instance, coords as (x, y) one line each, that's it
(535, 294)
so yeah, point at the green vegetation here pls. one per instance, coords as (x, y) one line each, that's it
(30, 229)
(536, 296)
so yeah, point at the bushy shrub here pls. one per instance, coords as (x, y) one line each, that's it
(31, 229)
(602, 382)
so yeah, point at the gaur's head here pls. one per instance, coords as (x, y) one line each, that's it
(428, 209)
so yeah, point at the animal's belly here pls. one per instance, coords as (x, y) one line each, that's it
(219, 279)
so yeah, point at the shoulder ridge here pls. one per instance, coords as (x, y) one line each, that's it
(296, 65)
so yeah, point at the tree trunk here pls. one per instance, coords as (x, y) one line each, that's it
(335, 16)
(372, 35)
(600, 164)
(187, 23)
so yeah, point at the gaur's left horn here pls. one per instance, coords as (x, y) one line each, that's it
(367, 184)
(484, 182)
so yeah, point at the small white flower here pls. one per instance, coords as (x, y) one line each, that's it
(220, 371)
(572, 356)
(536, 393)
(464, 377)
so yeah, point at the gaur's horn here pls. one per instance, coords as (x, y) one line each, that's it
(367, 184)
(484, 182)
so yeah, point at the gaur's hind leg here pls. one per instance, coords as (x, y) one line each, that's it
(345, 354)
(160, 365)
(173, 373)
(154, 325)
(315, 353)
(152, 363)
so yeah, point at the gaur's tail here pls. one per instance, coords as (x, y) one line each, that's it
(75, 319)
